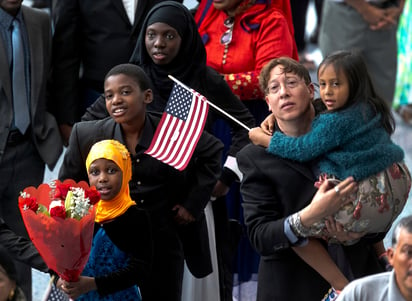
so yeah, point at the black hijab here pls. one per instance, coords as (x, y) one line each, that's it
(190, 63)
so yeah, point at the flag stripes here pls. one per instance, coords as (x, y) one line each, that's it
(180, 127)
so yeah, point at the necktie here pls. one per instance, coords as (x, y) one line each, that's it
(20, 103)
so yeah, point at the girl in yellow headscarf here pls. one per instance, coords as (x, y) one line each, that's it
(118, 262)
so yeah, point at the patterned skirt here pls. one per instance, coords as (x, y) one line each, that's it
(377, 203)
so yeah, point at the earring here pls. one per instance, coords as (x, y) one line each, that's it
(11, 295)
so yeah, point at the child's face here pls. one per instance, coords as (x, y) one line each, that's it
(333, 88)
(107, 177)
(125, 101)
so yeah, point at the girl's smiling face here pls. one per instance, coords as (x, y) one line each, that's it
(107, 177)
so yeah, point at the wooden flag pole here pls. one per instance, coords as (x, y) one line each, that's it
(211, 104)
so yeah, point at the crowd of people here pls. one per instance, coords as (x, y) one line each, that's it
(307, 187)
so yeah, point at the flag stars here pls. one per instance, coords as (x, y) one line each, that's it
(180, 103)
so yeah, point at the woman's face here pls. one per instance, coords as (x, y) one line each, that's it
(6, 285)
(162, 43)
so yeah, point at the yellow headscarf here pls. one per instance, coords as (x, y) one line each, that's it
(116, 152)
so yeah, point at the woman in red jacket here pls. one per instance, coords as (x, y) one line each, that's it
(240, 36)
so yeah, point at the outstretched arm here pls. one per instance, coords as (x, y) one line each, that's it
(21, 248)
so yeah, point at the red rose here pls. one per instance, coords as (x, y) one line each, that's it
(93, 195)
(57, 209)
(29, 203)
(61, 191)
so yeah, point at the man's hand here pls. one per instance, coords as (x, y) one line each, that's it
(377, 18)
(220, 190)
(65, 131)
(182, 216)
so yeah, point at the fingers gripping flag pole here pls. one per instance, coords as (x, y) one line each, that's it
(180, 127)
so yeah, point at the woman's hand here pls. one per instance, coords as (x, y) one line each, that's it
(328, 200)
(75, 289)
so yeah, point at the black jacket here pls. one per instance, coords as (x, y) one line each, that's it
(20, 248)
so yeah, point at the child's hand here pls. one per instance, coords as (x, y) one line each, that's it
(75, 289)
(335, 230)
(259, 137)
(268, 125)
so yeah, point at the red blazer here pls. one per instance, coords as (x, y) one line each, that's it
(260, 34)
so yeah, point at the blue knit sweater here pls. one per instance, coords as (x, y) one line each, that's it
(351, 142)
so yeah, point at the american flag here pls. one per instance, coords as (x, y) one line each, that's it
(180, 127)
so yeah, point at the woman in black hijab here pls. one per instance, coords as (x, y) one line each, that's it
(189, 67)
(189, 64)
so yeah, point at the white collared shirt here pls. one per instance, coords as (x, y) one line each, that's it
(130, 7)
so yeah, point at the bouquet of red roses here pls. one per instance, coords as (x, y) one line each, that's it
(59, 218)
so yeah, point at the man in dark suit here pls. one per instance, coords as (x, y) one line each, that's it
(273, 189)
(90, 38)
(20, 248)
(24, 149)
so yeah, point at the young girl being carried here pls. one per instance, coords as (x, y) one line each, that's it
(351, 138)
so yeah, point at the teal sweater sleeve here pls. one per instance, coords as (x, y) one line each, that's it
(329, 131)
(351, 142)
